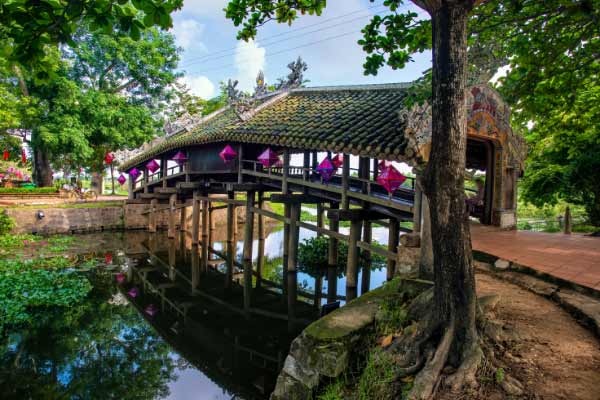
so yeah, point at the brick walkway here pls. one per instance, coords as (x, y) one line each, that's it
(575, 257)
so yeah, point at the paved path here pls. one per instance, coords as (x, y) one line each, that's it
(575, 257)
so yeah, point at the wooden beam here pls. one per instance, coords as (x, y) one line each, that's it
(172, 211)
(157, 196)
(248, 232)
(345, 182)
(292, 261)
(152, 216)
(286, 171)
(195, 219)
(353, 214)
(295, 199)
(183, 218)
(320, 212)
(165, 190)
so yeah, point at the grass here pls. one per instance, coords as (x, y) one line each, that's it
(36, 190)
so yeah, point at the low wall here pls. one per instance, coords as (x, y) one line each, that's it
(119, 216)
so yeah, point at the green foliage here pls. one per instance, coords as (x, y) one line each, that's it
(6, 223)
(28, 287)
(499, 375)
(393, 317)
(378, 377)
(37, 190)
(333, 391)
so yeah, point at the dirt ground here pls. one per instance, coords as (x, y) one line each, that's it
(551, 354)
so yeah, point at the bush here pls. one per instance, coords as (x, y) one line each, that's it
(6, 223)
(28, 190)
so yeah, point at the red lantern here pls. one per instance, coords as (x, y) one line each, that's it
(268, 158)
(23, 156)
(228, 154)
(390, 179)
(5, 155)
(109, 158)
(338, 160)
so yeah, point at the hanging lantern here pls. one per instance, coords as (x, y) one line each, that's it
(109, 158)
(120, 277)
(134, 173)
(279, 163)
(180, 158)
(152, 166)
(121, 179)
(5, 155)
(228, 154)
(268, 158)
(383, 164)
(133, 292)
(338, 160)
(390, 179)
(326, 169)
(151, 310)
(23, 156)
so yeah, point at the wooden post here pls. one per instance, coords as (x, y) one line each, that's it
(211, 228)
(286, 171)
(172, 212)
(260, 261)
(145, 180)
(195, 219)
(352, 267)
(163, 171)
(292, 263)
(332, 259)
(204, 244)
(393, 236)
(306, 166)
(318, 290)
(319, 218)
(130, 188)
(248, 231)
(172, 259)
(231, 247)
(286, 240)
(345, 182)
(375, 169)
(183, 218)
(568, 222)
(417, 209)
(240, 163)
(366, 259)
(152, 216)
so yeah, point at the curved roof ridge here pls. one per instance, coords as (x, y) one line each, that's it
(372, 86)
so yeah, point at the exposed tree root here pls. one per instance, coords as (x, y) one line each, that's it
(465, 375)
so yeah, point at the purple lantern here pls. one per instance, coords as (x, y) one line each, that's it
(120, 277)
(121, 179)
(268, 158)
(228, 154)
(152, 166)
(326, 169)
(390, 179)
(151, 310)
(133, 292)
(179, 158)
(134, 173)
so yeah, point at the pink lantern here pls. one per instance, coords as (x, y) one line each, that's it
(228, 154)
(268, 158)
(120, 277)
(152, 166)
(151, 310)
(121, 179)
(390, 179)
(338, 160)
(326, 169)
(133, 292)
(134, 173)
(180, 158)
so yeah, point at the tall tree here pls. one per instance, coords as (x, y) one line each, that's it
(451, 326)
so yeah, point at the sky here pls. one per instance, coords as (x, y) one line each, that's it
(328, 43)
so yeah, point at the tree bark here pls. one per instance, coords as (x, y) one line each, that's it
(454, 291)
(42, 172)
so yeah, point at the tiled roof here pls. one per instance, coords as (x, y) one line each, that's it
(362, 120)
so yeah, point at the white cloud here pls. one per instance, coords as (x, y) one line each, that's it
(200, 86)
(249, 59)
(188, 33)
(501, 73)
(210, 8)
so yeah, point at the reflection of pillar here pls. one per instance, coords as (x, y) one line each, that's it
(286, 240)
(248, 231)
(172, 259)
(152, 216)
(195, 266)
(172, 211)
(260, 260)
(292, 263)
(332, 258)
(195, 219)
(393, 236)
(366, 259)
(230, 241)
(352, 267)
(204, 244)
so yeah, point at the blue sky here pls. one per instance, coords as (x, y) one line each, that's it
(212, 53)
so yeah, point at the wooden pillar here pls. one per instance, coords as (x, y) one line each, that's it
(152, 216)
(260, 260)
(286, 240)
(393, 236)
(292, 264)
(375, 169)
(211, 228)
(332, 259)
(130, 188)
(567, 221)
(240, 163)
(195, 219)
(352, 266)
(231, 246)
(366, 259)
(306, 166)
(172, 214)
(318, 290)
(417, 208)
(320, 211)
(248, 232)
(345, 182)
(145, 181)
(315, 161)
(183, 218)
(286, 171)
(195, 266)
(204, 244)
(163, 171)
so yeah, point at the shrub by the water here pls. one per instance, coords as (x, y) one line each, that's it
(6, 223)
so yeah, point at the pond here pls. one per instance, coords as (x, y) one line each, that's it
(154, 326)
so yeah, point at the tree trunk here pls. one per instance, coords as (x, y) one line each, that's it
(42, 172)
(426, 253)
(454, 297)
